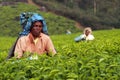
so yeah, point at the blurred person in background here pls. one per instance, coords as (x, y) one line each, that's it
(68, 32)
(87, 35)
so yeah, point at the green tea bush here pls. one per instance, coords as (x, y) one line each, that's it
(87, 60)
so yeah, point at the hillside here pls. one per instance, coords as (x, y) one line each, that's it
(10, 26)
(77, 14)
(94, 13)
(98, 14)
(43, 8)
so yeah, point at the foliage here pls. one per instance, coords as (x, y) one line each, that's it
(87, 60)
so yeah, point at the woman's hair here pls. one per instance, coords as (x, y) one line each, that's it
(34, 23)
(87, 29)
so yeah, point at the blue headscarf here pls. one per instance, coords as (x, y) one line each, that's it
(26, 20)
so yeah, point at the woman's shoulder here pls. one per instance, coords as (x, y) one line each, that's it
(44, 36)
(22, 37)
(91, 35)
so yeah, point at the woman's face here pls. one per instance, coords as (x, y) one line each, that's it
(36, 29)
(87, 32)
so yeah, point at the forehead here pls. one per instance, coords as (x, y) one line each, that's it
(38, 22)
(87, 31)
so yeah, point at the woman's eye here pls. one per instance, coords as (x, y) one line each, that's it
(38, 25)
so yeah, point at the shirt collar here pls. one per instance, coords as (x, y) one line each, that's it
(32, 38)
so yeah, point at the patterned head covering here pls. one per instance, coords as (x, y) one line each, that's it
(26, 20)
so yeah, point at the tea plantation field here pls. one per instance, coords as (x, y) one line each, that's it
(87, 60)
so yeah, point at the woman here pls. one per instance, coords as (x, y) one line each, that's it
(87, 35)
(35, 42)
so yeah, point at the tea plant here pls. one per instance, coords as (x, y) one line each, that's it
(87, 60)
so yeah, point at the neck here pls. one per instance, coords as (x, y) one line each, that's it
(35, 35)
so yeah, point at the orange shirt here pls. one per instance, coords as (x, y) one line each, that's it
(43, 44)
